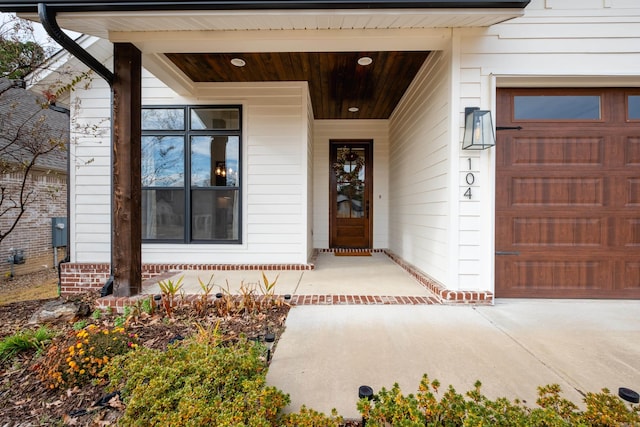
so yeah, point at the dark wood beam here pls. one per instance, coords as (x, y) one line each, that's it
(126, 235)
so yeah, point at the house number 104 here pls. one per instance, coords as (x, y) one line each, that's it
(470, 179)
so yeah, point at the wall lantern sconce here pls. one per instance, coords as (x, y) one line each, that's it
(478, 129)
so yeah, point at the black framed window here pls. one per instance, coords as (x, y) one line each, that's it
(191, 172)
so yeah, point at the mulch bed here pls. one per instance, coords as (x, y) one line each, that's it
(26, 401)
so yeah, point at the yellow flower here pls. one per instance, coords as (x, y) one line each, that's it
(79, 345)
(82, 371)
(72, 364)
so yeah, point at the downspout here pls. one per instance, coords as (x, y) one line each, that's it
(48, 21)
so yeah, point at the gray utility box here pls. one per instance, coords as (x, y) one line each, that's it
(59, 231)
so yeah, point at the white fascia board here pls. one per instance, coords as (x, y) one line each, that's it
(286, 40)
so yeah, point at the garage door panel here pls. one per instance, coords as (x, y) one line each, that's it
(632, 195)
(556, 275)
(629, 279)
(576, 150)
(557, 191)
(567, 202)
(626, 233)
(632, 151)
(559, 232)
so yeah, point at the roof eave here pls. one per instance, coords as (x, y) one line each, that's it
(113, 6)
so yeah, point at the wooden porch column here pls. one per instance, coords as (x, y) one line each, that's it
(126, 232)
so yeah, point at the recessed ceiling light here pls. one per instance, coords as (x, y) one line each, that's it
(365, 60)
(353, 109)
(238, 62)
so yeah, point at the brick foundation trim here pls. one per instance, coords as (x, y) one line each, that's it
(82, 277)
(85, 277)
(76, 278)
(118, 304)
(445, 296)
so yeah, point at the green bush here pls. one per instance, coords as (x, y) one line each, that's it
(202, 381)
(426, 408)
(24, 341)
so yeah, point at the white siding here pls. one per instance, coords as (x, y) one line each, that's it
(324, 131)
(90, 190)
(556, 43)
(275, 152)
(420, 169)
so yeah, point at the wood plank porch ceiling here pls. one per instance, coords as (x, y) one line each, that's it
(336, 80)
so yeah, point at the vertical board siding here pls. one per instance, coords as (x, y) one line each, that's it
(419, 170)
(326, 130)
(274, 146)
(310, 171)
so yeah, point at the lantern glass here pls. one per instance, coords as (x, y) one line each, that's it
(478, 130)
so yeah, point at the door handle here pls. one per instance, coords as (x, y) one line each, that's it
(507, 252)
(367, 208)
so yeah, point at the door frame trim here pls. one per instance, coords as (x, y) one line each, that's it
(368, 188)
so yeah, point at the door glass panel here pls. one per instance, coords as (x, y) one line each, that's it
(350, 172)
(634, 107)
(556, 107)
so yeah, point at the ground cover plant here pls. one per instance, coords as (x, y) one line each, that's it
(390, 407)
(203, 381)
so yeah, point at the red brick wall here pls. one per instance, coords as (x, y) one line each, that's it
(33, 233)
(82, 277)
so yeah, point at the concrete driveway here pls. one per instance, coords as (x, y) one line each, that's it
(327, 352)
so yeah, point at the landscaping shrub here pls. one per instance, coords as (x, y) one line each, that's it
(81, 357)
(391, 407)
(202, 381)
(24, 341)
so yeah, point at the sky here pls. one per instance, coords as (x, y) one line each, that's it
(40, 34)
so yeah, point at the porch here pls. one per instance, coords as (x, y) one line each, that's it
(375, 277)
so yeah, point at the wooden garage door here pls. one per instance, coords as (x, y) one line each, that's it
(568, 193)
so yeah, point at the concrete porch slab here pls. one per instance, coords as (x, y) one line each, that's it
(333, 275)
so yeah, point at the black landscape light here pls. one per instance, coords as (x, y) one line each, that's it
(269, 339)
(628, 395)
(365, 392)
(157, 299)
